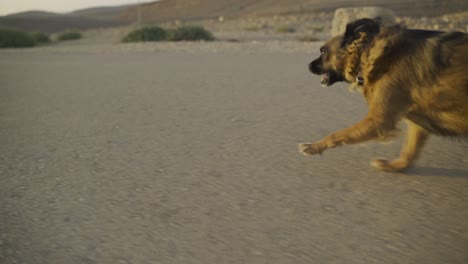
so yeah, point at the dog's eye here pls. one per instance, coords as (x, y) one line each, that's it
(323, 51)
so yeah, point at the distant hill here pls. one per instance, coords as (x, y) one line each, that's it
(54, 22)
(197, 9)
(186, 10)
(33, 14)
(102, 13)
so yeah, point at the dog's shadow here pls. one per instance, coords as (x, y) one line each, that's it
(438, 172)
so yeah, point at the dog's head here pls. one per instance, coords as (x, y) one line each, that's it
(340, 56)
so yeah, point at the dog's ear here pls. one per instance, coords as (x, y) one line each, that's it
(378, 20)
(365, 25)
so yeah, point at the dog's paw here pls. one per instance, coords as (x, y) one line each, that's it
(309, 149)
(390, 166)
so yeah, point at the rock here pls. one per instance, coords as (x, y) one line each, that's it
(343, 16)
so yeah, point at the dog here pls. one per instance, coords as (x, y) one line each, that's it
(419, 76)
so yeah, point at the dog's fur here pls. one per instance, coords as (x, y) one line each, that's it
(416, 75)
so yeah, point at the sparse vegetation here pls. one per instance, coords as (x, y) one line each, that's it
(317, 28)
(252, 28)
(308, 39)
(285, 29)
(11, 38)
(40, 38)
(182, 33)
(153, 33)
(190, 33)
(70, 35)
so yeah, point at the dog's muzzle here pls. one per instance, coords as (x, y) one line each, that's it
(325, 76)
(315, 68)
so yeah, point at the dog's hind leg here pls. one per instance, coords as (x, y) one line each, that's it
(417, 137)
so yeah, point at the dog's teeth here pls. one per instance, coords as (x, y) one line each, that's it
(324, 78)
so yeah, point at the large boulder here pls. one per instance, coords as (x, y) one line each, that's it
(345, 15)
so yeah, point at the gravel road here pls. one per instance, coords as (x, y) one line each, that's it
(187, 153)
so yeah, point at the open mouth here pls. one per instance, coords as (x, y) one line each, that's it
(328, 78)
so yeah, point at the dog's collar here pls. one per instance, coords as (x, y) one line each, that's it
(360, 79)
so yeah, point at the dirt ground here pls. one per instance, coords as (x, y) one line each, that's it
(187, 153)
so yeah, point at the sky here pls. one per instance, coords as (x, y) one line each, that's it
(14, 6)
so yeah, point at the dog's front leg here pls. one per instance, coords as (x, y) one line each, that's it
(386, 107)
(367, 129)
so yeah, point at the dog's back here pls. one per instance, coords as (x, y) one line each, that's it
(431, 67)
(441, 106)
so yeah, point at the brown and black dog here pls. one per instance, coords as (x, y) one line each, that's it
(416, 75)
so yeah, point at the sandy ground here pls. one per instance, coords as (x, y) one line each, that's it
(187, 153)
